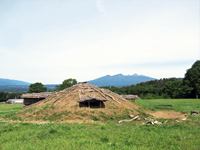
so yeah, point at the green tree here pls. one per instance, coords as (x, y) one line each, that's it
(37, 88)
(3, 96)
(172, 88)
(66, 84)
(191, 81)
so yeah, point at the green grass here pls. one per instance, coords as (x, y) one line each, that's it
(182, 105)
(95, 136)
(9, 109)
(111, 135)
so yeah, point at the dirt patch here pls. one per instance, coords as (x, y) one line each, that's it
(166, 114)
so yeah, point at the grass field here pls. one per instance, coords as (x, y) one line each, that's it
(182, 105)
(111, 135)
(9, 109)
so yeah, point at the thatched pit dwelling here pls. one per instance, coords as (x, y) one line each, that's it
(79, 102)
(31, 98)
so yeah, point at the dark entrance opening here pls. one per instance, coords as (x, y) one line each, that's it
(92, 104)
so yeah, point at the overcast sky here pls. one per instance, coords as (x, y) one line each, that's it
(49, 41)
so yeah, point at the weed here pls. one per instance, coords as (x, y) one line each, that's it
(105, 117)
(112, 117)
(66, 113)
(52, 106)
(104, 139)
(95, 118)
(92, 111)
(84, 114)
(31, 109)
(115, 113)
(101, 112)
(52, 131)
(103, 128)
(16, 118)
(143, 114)
(76, 112)
(45, 107)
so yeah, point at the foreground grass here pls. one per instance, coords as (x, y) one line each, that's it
(182, 105)
(125, 136)
(95, 136)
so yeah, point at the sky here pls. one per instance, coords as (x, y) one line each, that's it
(49, 41)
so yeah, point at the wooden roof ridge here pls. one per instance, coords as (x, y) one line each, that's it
(90, 98)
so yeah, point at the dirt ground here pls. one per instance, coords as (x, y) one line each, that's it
(167, 114)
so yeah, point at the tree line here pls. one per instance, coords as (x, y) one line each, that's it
(4, 96)
(155, 89)
(188, 87)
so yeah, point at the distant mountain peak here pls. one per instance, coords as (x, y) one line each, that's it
(118, 75)
(108, 75)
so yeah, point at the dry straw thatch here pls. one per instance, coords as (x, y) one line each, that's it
(36, 95)
(130, 97)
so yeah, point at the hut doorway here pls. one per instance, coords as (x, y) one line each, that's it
(92, 104)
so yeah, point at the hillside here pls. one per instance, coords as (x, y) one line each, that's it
(155, 89)
(120, 80)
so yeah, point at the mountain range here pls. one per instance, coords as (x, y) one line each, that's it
(120, 80)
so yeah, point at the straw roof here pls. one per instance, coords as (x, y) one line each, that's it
(91, 97)
(36, 95)
(130, 97)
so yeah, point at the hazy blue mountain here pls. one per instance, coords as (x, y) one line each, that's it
(12, 82)
(120, 80)
(23, 88)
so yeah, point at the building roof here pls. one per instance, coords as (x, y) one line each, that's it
(130, 97)
(37, 95)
